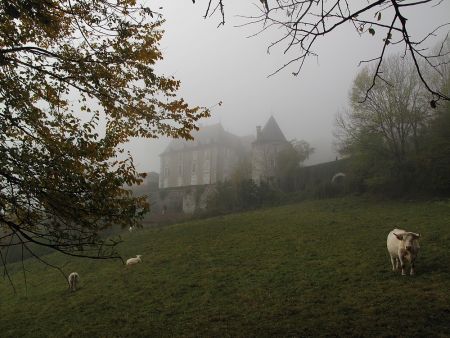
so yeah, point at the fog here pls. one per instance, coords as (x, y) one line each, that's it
(224, 64)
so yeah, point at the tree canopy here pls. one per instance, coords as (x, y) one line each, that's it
(77, 80)
(289, 161)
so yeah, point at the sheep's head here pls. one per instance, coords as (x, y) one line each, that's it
(407, 238)
(139, 257)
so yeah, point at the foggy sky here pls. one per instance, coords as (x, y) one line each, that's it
(223, 64)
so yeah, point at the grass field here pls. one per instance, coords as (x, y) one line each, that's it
(317, 268)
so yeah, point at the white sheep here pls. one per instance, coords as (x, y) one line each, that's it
(73, 280)
(403, 246)
(134, 260)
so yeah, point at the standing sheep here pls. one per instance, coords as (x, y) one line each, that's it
(403, 246)
(73, 280)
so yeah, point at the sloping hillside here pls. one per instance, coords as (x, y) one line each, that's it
(316, 268)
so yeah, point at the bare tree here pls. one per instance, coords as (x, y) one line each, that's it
(302, 23)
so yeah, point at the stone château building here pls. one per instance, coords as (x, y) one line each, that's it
(191, 169)
(207, 159)
(214, 153)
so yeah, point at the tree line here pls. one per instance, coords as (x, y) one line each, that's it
(396, 142)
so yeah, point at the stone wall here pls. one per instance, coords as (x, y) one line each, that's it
(196, 198)
(314, 175)
(183, 199)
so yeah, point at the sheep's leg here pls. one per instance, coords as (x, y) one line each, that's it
(394, 263)
(402, 264)
(412, 272)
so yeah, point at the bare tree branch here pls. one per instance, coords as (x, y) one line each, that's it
(302, 22)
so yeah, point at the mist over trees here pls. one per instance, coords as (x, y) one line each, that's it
(396, 142)
(77, 80)
(289, 162)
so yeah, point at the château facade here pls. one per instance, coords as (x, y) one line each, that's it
(207, 159)
(213, 154)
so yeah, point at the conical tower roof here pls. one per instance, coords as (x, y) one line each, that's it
(271, 132)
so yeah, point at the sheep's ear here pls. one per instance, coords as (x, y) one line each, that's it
(416, 236)
(399, 237)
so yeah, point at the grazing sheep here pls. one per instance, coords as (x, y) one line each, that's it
(73, 280)
(134, 260)
(131, 229)
(403, 246)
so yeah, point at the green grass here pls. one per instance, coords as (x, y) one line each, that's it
(317, 268)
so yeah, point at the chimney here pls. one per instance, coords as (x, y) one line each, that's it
(258, 132)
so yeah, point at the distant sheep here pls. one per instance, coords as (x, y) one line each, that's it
(131, 229)
(134, 260)
(403, 246)
(73, 280)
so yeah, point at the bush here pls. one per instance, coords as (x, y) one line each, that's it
(241, 195)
